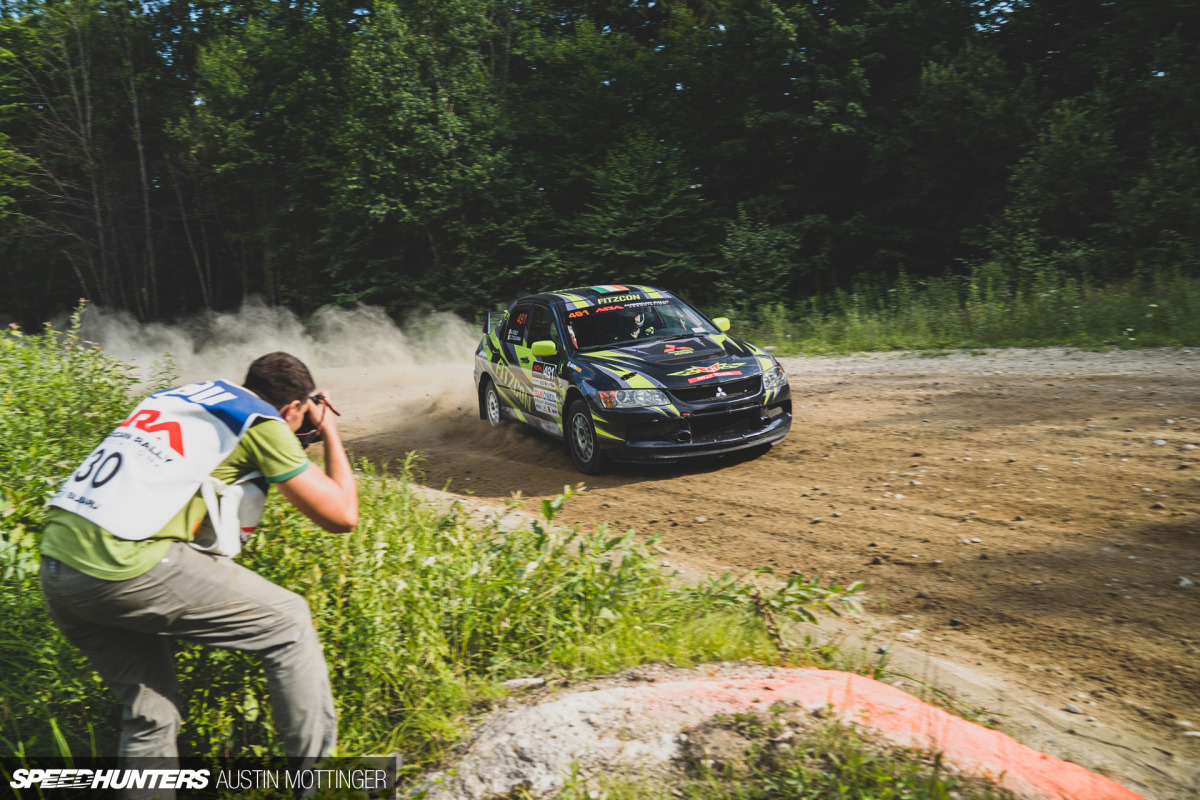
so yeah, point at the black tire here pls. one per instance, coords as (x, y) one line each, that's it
(582, 442)
(493, 406)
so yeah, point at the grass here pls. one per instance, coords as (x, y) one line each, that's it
(989, 307)
(785, 754)
(422, 613)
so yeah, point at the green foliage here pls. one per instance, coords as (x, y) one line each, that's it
(421, 613)
(991, 307)
(165, 158)
(761, 262)
(56, 392)
(776, 755)
(645, 223)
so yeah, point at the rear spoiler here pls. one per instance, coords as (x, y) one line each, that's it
(492, 321)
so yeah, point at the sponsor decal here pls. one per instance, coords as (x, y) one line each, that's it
(621, 298)
(147, 420)
(545, 401)
(608, 308)
(514, 334)
(711, 369)
(699, 378)
(676, 349)
(644, 303)
(539, 367)
(574, 314)
(608, 288)
(577, 368)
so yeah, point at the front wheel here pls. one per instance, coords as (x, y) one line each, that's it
(582, 443)
(492, 408)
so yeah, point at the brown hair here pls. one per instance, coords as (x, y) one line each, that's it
(279, 378)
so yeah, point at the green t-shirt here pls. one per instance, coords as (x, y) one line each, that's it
(269, 447)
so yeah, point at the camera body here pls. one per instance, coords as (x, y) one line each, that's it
(308, 432)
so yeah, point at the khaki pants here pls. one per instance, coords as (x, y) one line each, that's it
(125, 629)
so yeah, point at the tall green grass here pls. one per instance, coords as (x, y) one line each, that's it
(422, 613)
(989, 307)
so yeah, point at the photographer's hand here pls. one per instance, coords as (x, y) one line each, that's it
(330, 500)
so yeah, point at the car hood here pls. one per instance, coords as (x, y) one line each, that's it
(681, 362)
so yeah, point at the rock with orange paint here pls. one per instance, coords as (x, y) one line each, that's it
(638, 728)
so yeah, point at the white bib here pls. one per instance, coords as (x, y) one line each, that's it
(152, 465)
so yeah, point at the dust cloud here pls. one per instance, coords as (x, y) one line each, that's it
(381, 376)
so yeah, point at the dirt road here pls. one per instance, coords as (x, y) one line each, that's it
(1027, 524)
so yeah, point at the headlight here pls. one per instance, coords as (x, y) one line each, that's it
(774, 378)
(633, 398)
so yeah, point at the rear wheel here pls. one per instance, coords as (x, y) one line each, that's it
(582, 442)
(492, 406)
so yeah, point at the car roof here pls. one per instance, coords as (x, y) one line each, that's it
(586, 296)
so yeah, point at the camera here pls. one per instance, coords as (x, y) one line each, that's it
(308, 433)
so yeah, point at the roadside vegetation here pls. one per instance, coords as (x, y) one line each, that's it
(422, 613)
(785, 754)
(989, 307)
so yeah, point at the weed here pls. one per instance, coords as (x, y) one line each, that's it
(991, 306)
(786, 754)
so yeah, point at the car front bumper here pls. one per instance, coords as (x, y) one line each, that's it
(638, 435)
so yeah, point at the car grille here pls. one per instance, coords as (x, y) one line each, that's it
(703, 427)
(734, 390)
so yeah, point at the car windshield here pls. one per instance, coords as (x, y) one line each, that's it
(622, 324)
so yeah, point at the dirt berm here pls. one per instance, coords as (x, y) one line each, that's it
(1027, 524)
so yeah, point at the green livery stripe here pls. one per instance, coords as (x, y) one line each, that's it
(513, 405)
(611, 373)
(606, 434)
(575, 300)
(641, 382)
(623, 360)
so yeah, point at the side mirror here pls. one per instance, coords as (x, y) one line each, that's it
(543, 349)
(722, 323)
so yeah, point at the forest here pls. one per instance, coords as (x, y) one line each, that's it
(171, 156)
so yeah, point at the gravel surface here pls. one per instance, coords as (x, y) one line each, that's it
(1027, 523)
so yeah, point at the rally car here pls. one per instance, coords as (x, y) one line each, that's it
(628, 373)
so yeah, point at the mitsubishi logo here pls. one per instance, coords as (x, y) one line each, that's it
(720, 392)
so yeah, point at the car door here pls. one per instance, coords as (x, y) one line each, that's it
(542, 373)
(510, 377)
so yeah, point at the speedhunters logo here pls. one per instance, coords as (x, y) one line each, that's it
(193, 779)
(110, 779)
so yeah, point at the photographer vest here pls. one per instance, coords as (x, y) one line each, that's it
(161, 456)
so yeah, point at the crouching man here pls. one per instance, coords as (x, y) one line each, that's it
(139, 544)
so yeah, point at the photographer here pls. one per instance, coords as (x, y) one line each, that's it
(139, 544)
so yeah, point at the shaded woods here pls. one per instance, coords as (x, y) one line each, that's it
(171, 156)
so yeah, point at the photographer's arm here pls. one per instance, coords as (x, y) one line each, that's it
(329, 499)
